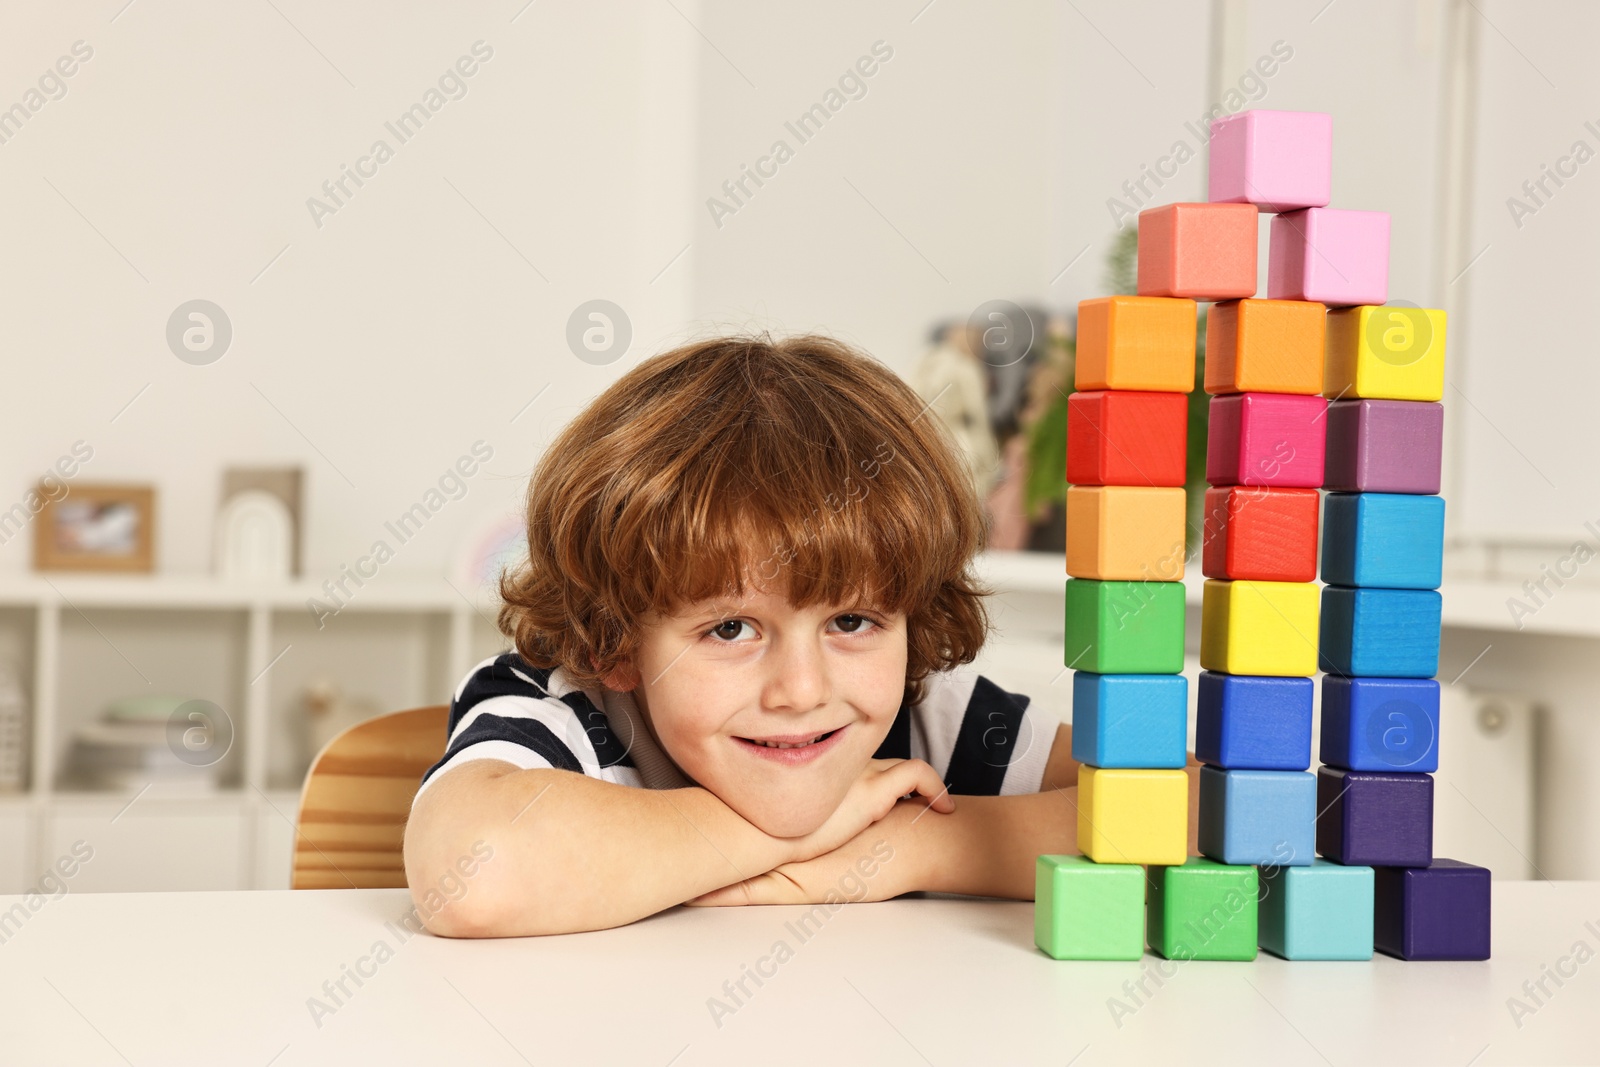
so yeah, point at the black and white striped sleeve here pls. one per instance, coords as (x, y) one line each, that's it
(981, 739)
(507, 710)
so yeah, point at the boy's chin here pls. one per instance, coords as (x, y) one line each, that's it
(786, 821)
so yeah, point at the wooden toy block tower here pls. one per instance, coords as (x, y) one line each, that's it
(1320, 386)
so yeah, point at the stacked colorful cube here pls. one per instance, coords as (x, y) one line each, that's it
(1382, 564)
(1127, 431)
(1322, 334)
(1264, 465)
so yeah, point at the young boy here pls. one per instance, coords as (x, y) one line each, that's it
(734, 678)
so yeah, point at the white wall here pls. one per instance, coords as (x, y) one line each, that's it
(376, 348)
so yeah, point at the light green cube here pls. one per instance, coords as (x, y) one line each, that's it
(1203, 910)
(1084, 910)
(1124, 627)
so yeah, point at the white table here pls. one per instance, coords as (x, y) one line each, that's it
(224, 979)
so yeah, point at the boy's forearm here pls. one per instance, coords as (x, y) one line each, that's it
(989, 846)
(574, 853)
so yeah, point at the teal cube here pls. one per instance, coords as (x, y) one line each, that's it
(1084, 910)
(1203, 910)
(1130, 720)
(1320, 912)
(1380, 633)
(1387, 540)
(1124, 627)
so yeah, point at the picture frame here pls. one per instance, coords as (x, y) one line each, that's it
(101, 528)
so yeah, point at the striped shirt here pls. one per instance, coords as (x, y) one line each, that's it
(980, 739)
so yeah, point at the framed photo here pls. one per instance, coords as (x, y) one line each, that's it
(97, 528)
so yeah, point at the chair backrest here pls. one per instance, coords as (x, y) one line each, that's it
(357, 796)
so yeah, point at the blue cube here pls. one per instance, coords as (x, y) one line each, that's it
(1380, 724)
(1251, 722)
(1382, 633)
(1130, 720)
(1258, 817)
(1386, 540)
(1320, 912)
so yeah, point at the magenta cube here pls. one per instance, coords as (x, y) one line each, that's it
(1266, 439)
(1384, 446)
(1276, 160)
(1337, 257)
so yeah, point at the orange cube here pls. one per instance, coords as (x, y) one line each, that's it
(1138, 343)
(1265, 346)
(1198, 251)
(1126, 533)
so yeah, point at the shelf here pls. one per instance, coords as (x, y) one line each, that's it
(386, 592)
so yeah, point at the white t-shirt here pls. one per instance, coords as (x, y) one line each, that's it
(980, 739)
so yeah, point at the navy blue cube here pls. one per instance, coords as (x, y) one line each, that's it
(1436, 912)
(1379, 724)
(1374, 819)
(1253, 722)
(1382, 633)
(1258, 817)
(1387, 540)
(1130, 720)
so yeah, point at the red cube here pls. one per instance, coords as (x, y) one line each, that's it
(1254, 533)
(1120, 437)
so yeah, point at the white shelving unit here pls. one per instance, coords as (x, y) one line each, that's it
(78, 642)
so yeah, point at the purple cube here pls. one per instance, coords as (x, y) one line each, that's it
(1384, 446)
(1331, 255)
(1375, 818)
(1276, 160)
(1437, 912)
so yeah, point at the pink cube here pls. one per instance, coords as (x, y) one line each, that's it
(1274, 439)
(1276, 160)
(1330, 255)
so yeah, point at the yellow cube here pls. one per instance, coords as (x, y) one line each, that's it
(1133, 816)
(1260, 628)
(1378, 352)
(1125, 533)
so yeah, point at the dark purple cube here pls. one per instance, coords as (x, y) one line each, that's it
(1437, 912)
(1384, 446)
(1375, 818)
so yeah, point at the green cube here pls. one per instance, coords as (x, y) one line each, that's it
(1124, 627)
(1084, 910)
(1204, 910)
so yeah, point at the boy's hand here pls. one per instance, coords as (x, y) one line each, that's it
(882, 783)
(877, 864)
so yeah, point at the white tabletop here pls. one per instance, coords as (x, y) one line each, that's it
(224, 979)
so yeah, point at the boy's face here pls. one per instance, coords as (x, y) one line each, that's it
(714, 679)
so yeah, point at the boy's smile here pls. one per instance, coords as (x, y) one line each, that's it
(776, 710)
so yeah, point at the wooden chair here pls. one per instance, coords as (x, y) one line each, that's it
(356, 798)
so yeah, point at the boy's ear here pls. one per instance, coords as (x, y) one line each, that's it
(624, 677)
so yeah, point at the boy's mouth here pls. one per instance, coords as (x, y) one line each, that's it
(789, 740)
(792, 748)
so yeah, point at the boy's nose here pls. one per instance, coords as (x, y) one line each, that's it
(799, 680)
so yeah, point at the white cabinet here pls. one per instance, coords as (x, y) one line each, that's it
(77, 643)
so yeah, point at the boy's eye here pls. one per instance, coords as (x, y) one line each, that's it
(727, 631)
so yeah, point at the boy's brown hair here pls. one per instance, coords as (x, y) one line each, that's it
(807, 466)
